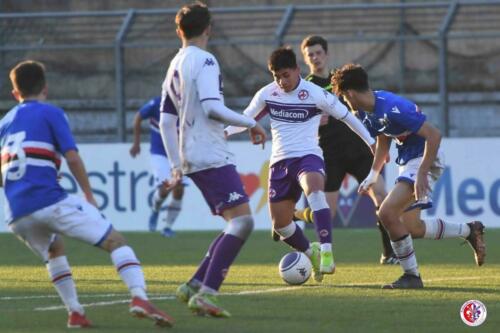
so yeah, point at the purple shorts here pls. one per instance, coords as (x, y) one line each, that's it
(221, 187)
(284, 176)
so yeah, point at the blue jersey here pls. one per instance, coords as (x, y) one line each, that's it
(399, 118)
(33, 135)
(151, 111)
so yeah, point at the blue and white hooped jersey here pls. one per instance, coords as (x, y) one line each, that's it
(151, 111)
(399, 118)
(33, 136)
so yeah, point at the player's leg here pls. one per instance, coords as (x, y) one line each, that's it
(437, 229)
(290, 233)
(76, 218)
(34, 232)
(161, 172)
(313, 184)
(389, 213)
(335, 173)
(377, 194)
(223, 191)
(173, 209)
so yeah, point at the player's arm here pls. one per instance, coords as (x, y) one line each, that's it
(432, 138)
(254, 110)
(380, 157)
(170, 138)
(136, 132)
(67, 146)
(332, 105)
(77, 168)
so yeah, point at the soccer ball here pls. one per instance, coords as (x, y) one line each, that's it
(295, 268)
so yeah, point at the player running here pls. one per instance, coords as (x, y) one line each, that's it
(33, 136)
(420, 165)
(159, 165)
(343, 151)
(295, 106)
(199, 150)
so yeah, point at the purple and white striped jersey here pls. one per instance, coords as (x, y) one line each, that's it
(33, 136)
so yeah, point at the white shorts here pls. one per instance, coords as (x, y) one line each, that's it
(408, 173)
(160, 167)
(73, 217)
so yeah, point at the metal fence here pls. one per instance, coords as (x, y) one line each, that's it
(106, 60)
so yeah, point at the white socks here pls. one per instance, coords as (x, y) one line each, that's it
(60, 274)
(439, 229)
(130, 270)
(403, 248)
(173, 210)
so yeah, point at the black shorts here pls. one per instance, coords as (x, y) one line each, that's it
(337, 166)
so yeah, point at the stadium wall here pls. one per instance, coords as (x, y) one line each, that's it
(468, 190)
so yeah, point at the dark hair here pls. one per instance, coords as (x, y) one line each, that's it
(193, 19)
(349, 76)
(314, 40)
(282, 58)
(28, 78)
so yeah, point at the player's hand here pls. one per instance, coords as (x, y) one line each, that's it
(175, 180)
(225, 135)
(258, 135)
(135, 150)
(421, 186)
(366, 184)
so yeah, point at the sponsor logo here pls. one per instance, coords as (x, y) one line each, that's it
(302, 271)
(290, 114)
(395, 110)
(234, 196)
(323, 233)
(303, 94)
(209, 62)
(473, 313)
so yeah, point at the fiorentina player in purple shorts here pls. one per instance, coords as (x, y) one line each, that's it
(295, 107)
(199, 150)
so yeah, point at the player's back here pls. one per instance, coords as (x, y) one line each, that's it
(32, 137)
(201, 139)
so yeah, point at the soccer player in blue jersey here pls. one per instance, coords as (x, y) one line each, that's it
(391, 117)
(159, 165)
(33, 137)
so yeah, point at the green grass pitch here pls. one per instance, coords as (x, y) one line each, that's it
(348, 301)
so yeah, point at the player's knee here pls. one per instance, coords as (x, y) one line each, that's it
(385, 215)
(317, 200)
(240, 226)
(113, 241)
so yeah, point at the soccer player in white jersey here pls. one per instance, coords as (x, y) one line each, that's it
(295, 107)
(391, 117)
(193, 83)
(159, 166)
(33, 136)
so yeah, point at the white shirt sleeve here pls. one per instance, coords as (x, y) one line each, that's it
(170, 138)
(330, 104)
(209, 86)
(255, 110)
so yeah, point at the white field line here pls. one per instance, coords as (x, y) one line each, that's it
(239, 293)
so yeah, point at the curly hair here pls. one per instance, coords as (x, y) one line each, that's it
(350, 76)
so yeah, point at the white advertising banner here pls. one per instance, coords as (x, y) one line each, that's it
(468, 190)
(123, 187)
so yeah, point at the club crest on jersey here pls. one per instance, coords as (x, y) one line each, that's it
(303, 94)
(209, 62)
(384, 122)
